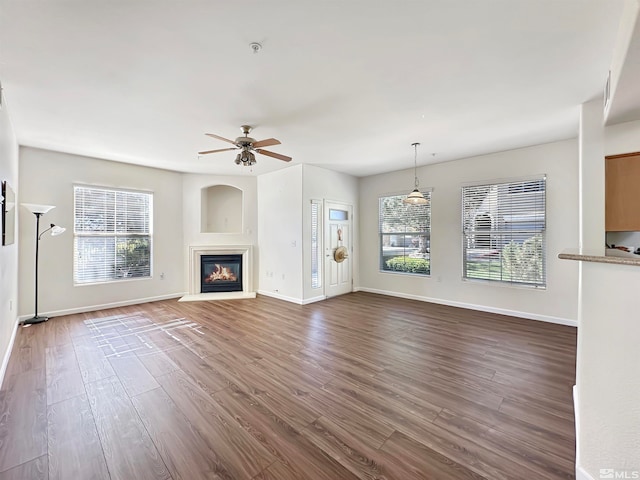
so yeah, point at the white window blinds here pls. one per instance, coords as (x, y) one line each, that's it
(405, 235)
(112, 234)
(504, 232)
(316, 252)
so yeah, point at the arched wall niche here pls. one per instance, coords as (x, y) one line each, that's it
(221, 209)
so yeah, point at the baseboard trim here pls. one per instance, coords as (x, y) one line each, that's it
(581, 474)
(280, 297)
(297, 301)
(313, 300)
(104, 306)
(7, 354)
(471, 306)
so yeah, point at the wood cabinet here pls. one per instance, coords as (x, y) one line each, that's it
(622, 192)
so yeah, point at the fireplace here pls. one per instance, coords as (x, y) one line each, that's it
(220, 273)
(245, 280)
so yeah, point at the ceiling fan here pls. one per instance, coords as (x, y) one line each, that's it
(247, 146)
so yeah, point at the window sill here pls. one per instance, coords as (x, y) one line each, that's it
(109, 282)
(504, 284)
(394, 272)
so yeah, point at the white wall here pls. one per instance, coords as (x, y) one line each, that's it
(192, 186)
(284, 216)
(8, 253)
(558, 302)
(322, 184)
(280, 233)
(221, 209)
(608, 376)
(591, 178)
(48, 177)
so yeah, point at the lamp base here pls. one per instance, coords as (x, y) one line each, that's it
(36, 319)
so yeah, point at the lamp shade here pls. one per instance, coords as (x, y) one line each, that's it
(56, 230)
(415, 198)
(35, 208)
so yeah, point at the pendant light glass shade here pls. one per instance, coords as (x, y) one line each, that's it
(415, 197)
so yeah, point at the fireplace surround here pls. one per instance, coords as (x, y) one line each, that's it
(195, 272)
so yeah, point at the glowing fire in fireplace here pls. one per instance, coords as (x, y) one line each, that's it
(221, 273)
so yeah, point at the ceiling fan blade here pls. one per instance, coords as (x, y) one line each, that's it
(220, 138)
(266, 143)
(215, 151)
(274, 155)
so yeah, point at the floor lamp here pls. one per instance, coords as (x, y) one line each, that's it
(38, 211)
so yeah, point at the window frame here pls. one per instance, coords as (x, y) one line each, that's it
(512, 186)
(316, 248)
(427, 192)
(112, 234)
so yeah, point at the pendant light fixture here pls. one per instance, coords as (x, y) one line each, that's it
(415, 197)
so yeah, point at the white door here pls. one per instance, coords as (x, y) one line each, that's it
(337, 262)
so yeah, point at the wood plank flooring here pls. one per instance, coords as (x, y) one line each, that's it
(360, 386)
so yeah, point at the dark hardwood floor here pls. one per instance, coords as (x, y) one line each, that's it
(360, 386)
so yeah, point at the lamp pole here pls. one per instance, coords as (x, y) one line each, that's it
(38, 211)
(36, 318)
(38, 215)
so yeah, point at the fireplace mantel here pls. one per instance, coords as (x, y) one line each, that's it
(196, 251)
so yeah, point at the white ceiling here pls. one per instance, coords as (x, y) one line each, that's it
(347, 85)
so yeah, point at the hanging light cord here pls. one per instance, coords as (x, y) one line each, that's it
(415, 164)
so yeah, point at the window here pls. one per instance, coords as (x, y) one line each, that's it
(315, 244)
(405, 235)
(503, 232)
(338, 214)
(112, 235)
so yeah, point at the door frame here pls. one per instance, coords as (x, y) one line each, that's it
(326, 245)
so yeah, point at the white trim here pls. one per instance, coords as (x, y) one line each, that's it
(7, 354)
(307, 301)
(581, 474)
(211, 296)
(196, 251)
(501, 181)
(404, 192)
(104, 306)
(576, 415)
(471, 306)
(280, 297)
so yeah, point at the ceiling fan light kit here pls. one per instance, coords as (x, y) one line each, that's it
(247, 146)
(415, 197)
